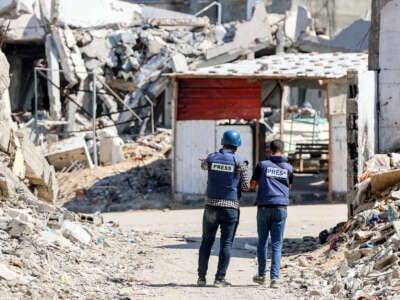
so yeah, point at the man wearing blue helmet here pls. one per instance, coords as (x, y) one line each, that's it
(227, 178)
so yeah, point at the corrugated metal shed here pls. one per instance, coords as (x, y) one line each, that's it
(287, 66)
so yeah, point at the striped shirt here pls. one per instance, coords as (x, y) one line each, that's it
(244, 186)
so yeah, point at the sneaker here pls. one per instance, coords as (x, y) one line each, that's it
(259, 279)
(221, 283)
(274, 284)
(201, 281)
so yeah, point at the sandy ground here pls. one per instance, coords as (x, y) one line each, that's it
(168, 268)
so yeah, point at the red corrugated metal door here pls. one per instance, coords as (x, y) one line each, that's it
(216, 99)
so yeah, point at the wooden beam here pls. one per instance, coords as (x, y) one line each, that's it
(174, 112)
(282, 120)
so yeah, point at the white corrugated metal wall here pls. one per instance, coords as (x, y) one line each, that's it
(195, 139)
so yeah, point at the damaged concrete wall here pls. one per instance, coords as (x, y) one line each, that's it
(389, 82)
(329, 16)
(373, 51)
(338, 146)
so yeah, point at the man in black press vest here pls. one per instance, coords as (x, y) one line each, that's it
(227, 178)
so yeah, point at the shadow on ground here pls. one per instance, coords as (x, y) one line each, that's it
(245, 247)
(142, 187)
(149, 187)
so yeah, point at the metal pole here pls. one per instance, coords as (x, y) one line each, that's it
(219, 9)
(120, 100)
(94, 104)
(36, 99)
(152, 112)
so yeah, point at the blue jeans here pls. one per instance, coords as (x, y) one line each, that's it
(270, 221)
(228, 220)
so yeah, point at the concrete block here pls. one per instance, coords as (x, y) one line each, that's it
(11, 276)
(7, 185)
(154, 45)
(50, 191)
(4, 73)
(47, 238)
(5, 136)
(20, 214)
(18, 228)
(12, 9)
(297, 22)
(18, 167)
(63, 153)
(37, 168)
(75, 232)
(111, 150)
(179, 63)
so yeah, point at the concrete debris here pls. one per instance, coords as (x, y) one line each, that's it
(70, 56)
(111, 150)
(4, 74)
(369, 240)
(245, 43)
(65, 152)
(14, 8)
(130, 184)
(83, 259)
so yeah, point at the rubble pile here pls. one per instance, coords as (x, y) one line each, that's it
(142, 181)
(370, 240)
(53, 253)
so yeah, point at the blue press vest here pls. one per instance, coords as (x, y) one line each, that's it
(273, 184)
(224, 175)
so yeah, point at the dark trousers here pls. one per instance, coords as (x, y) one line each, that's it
(228, 220)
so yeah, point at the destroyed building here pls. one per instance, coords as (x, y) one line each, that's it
(86, 86)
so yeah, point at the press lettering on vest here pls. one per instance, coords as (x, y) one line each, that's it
(222, 167)
(277, 172)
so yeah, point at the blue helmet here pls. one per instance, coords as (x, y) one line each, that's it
(232, 138)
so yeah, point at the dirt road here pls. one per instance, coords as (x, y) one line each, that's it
(169, 251)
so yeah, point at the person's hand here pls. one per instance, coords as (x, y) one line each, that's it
(202, 159)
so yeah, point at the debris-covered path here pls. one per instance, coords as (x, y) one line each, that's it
(169, 252)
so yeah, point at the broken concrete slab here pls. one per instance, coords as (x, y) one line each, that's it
(50, 191)
(154, 45)
(150, 70)
(18, 228)
(75, 233)
(179, 63)
(5, 137)
(37, 168)
(63, 153)
(26, 28)
(11, 276)
(87, 16)
(18, 167)
(20, 214)
(11, 9)
(100, 48)
(250, 36)
(298, 22)
(69, 54)
(4, 74)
